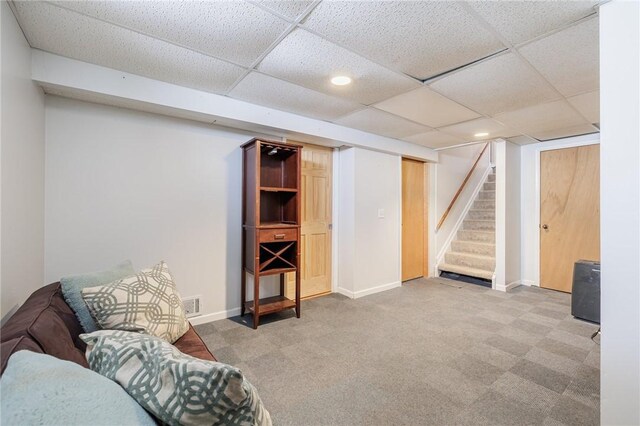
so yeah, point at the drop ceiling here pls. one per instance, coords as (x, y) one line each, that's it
(430, 73)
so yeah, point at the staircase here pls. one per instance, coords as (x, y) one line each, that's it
(473, 252)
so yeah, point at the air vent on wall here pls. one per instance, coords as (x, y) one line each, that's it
(191, 306)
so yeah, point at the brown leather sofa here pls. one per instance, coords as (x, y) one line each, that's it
(46, 324)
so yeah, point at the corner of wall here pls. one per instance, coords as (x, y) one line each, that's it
(22, 167)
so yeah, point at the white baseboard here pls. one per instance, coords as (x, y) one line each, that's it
(203, 319)
(509, 286)
(345, 292)
(528, 283)
(357, 294)
(377, 289)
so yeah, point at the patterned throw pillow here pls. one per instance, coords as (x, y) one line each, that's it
(177, 388)
(147, 302)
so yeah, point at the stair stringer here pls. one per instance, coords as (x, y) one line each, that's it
(458, 225)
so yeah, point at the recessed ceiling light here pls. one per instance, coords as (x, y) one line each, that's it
(481, 134)
(341, 80)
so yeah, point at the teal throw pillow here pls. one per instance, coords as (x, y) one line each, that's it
(38, 389)
(72, 290)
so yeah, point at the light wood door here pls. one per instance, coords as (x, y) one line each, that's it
(315, 238)
(413, 219)
(569, 212)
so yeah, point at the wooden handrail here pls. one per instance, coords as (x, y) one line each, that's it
(464, 182)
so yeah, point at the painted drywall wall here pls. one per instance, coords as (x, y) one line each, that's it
(530, 201)
(122, 184)
(370, 206)
(22, 168)
(500, 159)
(620, 210)
(346, 221)
(378, 221)
(513, 205)
(453, 166)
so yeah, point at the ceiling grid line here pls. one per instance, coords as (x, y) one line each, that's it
(515, 51)
(125, 27)
(325, 38)
(276, 42)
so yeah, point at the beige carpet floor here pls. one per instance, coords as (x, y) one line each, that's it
(430, 352)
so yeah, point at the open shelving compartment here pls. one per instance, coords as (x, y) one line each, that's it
(278, 208)
(278, 186)
(277, 257)
(278, 168)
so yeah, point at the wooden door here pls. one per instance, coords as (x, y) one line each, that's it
(316, 211)
(413, 220)
(569, 212)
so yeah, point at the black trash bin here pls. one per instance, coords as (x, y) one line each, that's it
(585, 293)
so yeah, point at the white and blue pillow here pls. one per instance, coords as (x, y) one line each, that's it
(176, 388)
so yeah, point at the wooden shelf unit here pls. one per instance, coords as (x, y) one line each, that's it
(271, 222)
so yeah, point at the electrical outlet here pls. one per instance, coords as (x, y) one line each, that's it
(381, 213)
(192, 306)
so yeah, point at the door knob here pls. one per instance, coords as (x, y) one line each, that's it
(545, 227)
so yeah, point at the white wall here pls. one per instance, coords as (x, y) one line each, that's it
(500, 159)
(370, 186)
(513, 270)
(452, 167)
(530, 202)
(128, 185)
(378, 187)
(508, 210)
(620, 211)
(346, 220)
(22, 168)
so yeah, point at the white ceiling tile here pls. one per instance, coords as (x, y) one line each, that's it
(79, 37)
(381, 123)
(235, 31)
(308, 60)
(499, 84)
(569, 59)
(539, 119)
(427, 107)
(519, 21)
(420, 38)
(434, 139)
(523, 140)
(587, 104)
(467, 130)
(565, 132)
(274, 93)
(289, 8)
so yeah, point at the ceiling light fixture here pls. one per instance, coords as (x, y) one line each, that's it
(481, 134)
(341, 80)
